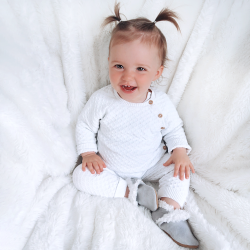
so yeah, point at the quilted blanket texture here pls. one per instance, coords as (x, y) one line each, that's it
(53, 56)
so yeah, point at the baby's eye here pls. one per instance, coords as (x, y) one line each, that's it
(118, 66)
(141, 69)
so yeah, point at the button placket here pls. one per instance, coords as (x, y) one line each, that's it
(159, 114)
(161, 120)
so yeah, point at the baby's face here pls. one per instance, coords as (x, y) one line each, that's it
(133, 64)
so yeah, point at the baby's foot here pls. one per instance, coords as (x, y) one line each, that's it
(142, 194)
(174, 223)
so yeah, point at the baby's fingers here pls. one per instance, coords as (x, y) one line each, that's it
(90, 167)
(187, 172)
(96, 167)
(192, 168)
(83, 166)
(182, 171)
(104, 165)
(168, 162)
(176, 170)
(101, 166)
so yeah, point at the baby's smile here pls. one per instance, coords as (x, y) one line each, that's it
(127, 88)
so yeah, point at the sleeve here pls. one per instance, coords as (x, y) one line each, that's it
(88, 124)
(174, 135)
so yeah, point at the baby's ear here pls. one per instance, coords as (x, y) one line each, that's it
(158, 73)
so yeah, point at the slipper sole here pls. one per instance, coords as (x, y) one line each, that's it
(182, 245)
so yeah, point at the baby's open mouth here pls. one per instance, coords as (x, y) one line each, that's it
(127, 87)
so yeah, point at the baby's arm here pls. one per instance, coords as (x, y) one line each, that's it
(178, 147)
(86, 129)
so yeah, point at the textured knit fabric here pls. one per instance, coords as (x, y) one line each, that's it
(169, 186)
(129, 136)
(108, 184)
(105, 184)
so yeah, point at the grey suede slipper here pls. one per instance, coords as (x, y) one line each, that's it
(147, 197)
(177, 229)
(142, 194)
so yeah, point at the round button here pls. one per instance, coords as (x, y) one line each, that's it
(160, 115)
(164, 147)
(162, 127)
(150, 102)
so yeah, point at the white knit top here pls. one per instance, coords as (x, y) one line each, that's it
(129, 136)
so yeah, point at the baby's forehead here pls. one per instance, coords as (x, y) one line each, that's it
(138, 47)
(150, 39)
(135, 52)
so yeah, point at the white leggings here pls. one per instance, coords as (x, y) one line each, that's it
(109, 184)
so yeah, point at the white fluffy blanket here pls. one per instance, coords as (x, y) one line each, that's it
(53, 56)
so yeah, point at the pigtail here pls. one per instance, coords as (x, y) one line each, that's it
(168, 15)
(113, 18)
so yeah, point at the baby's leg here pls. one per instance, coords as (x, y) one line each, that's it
(171, 189)
(105, 184)
(108, 184)
(173, 193)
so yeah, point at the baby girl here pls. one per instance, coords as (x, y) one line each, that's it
(129, 132)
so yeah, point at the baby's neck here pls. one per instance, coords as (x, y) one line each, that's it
(149, 90)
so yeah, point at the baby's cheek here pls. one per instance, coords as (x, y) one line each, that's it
(114, 76)
(144, 79)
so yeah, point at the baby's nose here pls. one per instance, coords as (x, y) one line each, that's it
(127, 76)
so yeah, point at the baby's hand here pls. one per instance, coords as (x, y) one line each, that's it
(182, 163)
(93, 162)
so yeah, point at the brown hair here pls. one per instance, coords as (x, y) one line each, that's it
(143, 29)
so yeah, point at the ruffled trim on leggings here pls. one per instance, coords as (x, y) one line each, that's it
(133, 188)
(172, 215)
